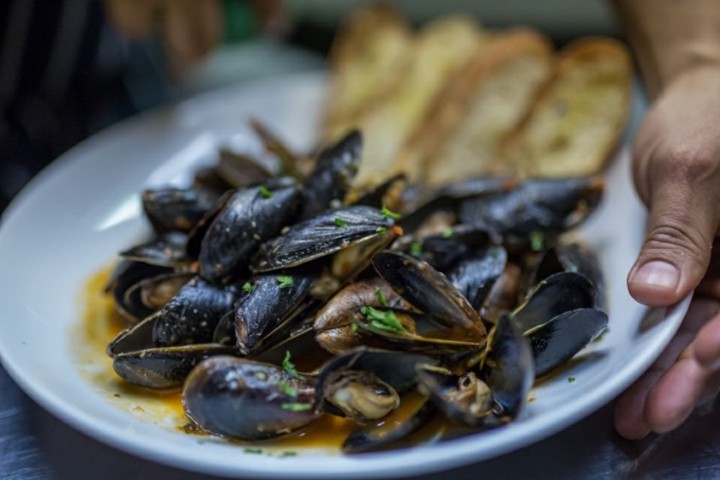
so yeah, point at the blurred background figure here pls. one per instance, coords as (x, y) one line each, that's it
(69, 68)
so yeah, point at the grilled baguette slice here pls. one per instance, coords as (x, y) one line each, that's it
(367, 59)
(441, 49)
(462, 133)
(579, 118)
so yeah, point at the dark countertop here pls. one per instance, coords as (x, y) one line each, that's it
(36, 445)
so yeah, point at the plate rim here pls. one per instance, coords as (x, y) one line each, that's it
(72, 415)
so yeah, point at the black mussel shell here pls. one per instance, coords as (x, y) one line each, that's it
(427, 289)
(166, 250)
(246, 399)
(559, 340)
(175, 209)
(321, 236)
(269, 300)
(475, 276)
(164, 367)
(559, 293)
(193, 314)
(249, 217)
(125, 276)
(326, 186)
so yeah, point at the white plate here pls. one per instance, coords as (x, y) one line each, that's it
(78, 213)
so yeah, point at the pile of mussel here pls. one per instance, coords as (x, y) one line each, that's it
(460, 296)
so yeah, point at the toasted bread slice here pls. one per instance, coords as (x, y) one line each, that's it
(462, 133)
(580, 116)
(368, 58)
(442, 49)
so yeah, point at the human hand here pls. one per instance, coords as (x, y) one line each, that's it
(676, 167)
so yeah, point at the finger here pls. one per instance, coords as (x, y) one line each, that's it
(191, 29)
(630, 410)
(707, 344)
(630, 419)
(682, 225)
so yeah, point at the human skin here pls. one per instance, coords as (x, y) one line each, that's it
(676, 169)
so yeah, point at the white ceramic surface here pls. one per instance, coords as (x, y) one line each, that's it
(79, 212)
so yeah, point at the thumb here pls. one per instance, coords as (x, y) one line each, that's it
(676, 252)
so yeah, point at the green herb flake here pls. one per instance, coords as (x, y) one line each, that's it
(289, 366)
(416, 249)
(381, 297)
(288, 390)
(537, 241)
(354, 327)
(265, 192)
(248, 287)
(284, 281)
(287, 454)
(387, 213)
(296, 407)
(571, 379)
(383, 320)
(340, 222)
(381, 229)
(253, 450)
(447, 233)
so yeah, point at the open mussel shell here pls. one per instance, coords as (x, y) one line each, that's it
(417, 332)
(150, 295)
(321, 236)
(248, 400)
(249, 217)
(573, 257)
(396, 369)
(269, 301)
(360, 396)
(493, 396)
(401, 424)
(164, 367)
(427, 289)
(550, 206)
(474, 277)
(326, 186)
(559, 293)
(240, 171)
(503, 294)
(388, 194)
(559, 340)
(166, 250)
(175, 209)
(138, 337)
(334, 322)
(193, 313)
(126, 275)
(509, 369)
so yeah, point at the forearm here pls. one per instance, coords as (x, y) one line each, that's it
(671, 36)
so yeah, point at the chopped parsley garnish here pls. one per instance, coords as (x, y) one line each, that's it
(381, 297)
(252, 450)
(382, 320)
(354, 327)
(381, 229)
(288, 453)
(571, 379)
(289, 366)
(296, 407)
(248, 287)
(340, 222)
(537, 241)
(284, 281)
(265, 192)
(387, 213)
(288, 390)
(416, 249)
(447, 233)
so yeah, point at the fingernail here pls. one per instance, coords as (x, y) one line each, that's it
(658, 274)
